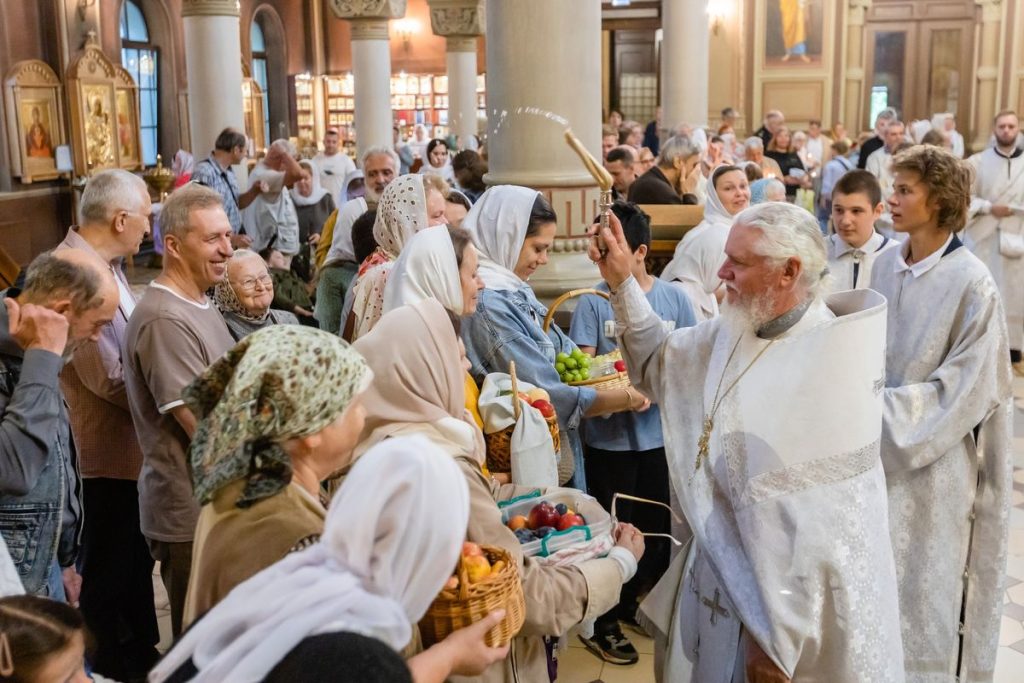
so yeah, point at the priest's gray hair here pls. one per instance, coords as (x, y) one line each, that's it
(380, 149)
(676, 147)
(109, 192)
(790, 232)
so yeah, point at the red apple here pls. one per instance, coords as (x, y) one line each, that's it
(545, 407)
(620, 366)
(471, 549)
(570, 520)
(542, 514)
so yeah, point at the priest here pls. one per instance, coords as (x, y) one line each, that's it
(788, 573)
(946, 433)
(995, 229)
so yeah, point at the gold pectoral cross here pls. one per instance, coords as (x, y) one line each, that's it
(704, 442)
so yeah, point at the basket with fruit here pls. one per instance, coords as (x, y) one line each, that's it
(556, 521)
(580, 370)
(486, 579)
(499, 443)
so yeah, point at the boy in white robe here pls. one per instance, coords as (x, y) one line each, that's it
(995, 229)
(856, 205)
(946, 433)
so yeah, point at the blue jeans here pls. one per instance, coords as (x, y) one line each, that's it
(55, 584)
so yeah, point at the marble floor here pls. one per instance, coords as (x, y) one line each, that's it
(577, 665)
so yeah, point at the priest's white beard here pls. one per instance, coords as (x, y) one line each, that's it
(750, 315)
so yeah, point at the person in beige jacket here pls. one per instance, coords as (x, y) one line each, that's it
(418, 350)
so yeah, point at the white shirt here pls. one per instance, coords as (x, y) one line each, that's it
(921, 267)
(333, 171)
(849, 266)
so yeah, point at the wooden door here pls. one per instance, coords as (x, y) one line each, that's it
(944, 64)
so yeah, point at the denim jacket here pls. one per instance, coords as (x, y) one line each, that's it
(508, 326)
(40, 490)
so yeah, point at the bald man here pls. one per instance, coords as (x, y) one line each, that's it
(67, 300)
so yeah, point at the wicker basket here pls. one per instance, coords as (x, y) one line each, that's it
(456, 608)
(618, 380)
(499, 444)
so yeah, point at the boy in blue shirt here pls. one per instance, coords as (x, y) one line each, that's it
(625, 452)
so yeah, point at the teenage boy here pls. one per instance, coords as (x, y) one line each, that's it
(946, 425)
(856, 205)
(626, 451)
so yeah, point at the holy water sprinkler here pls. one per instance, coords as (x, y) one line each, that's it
(603, 179)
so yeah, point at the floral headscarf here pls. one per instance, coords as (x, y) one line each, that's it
(226, 301)
(279, 383)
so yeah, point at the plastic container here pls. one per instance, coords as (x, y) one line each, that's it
(599, 521)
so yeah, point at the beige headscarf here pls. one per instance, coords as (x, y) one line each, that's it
(415, 352)
(401, 213)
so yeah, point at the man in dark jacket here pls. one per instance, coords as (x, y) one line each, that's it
(872, 145)
(662, 184)
(67, 300)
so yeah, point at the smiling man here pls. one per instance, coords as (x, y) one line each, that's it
(788, 574)
(946, 433)
(173, 335)
(856, 205)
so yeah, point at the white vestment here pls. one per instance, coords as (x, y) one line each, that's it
(947, 454)
(850, 268)
(333, 171)
(790, 529)
(999, 180)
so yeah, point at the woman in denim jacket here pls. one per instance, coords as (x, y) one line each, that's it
(513, 228)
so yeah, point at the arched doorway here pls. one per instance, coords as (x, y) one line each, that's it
(268, 55)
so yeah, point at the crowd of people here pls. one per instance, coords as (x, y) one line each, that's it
(288, 420)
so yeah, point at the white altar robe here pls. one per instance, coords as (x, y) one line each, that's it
(851, 268)
(946, 451)
(999, 180)
(790, 528)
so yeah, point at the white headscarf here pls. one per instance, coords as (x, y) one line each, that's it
(390, 540)
(498, 223)
(426, 269)
(401, 213)
(318, 191)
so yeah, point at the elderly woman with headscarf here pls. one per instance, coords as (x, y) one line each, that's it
(513, 229)
(700, 253)
(313, 206)
(418, 348)
(182, 167)
(245, 295)
(343, 608)
(278, 414)
(409, 204)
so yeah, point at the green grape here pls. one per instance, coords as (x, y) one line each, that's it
(566, 376)
(584, 374)
(560, 367)
(577, 354)
(585, 361)
(571, 363)
(561, 358)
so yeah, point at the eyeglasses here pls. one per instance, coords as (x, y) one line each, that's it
(249, 284)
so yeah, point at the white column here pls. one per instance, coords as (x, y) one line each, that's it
(371, 70)
(461, 57)
(544, 66)
(213, 65)
(684, 62)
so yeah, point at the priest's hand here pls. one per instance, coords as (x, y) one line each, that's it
(1001, 211)
(615, 262)
(760, 667)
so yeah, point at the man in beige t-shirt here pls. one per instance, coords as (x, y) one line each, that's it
(173, 335)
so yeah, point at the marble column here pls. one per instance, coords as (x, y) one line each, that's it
(853, 88)
(685, 46)
(214, 69)
(460, 22)
(316, 38)
(986, 94)
(371, 66)
(543, 74)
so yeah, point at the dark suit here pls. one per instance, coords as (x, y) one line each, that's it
(653, 188)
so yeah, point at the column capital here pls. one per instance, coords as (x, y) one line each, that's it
(460, 44)
(209, 8)
(368, 9)
(857, 10)
(991, 10)
(369, 29)
(458, 17)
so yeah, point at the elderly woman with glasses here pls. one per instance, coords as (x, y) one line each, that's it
(244, 296)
